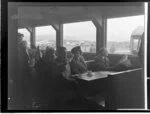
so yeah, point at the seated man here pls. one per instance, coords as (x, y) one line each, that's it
(78, 64)
(62, 62)
(103, 63)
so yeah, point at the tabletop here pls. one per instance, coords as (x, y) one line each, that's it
(89, 76)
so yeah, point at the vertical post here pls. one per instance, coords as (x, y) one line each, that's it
(59, 34)
(100, 33)
(104, 24)
(148, 53)
(32, 37)
(99, 42)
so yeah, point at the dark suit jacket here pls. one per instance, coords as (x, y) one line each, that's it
(78, 66)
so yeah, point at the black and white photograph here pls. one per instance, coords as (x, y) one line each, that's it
(71, 56)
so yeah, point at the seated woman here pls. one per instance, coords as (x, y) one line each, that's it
(103, 63)
(78, 64)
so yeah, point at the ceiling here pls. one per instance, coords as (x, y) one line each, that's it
(35, 14)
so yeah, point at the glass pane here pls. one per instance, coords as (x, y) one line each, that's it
(45, 36)
(81, 33)
(119, 31)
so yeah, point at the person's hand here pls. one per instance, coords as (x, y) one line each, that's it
(75, 75)
(89, 73)
(124, 58)
(127, 63)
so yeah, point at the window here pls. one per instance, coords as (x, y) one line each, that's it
(45, 36)
(81, 33)
(119, 31)
(26, 34)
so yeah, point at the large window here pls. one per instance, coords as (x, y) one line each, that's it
(80, 33)
(45, 36)
(26, 34)
(119, 31)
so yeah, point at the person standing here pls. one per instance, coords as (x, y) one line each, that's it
(24, 78)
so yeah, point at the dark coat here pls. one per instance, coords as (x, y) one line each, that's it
(78, 66)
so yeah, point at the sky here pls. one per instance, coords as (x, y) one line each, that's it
(118, 29)
(121, 28)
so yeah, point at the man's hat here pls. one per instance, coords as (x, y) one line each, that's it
(101, 50)
(75, 49)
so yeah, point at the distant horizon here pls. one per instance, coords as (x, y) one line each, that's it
(65, 38)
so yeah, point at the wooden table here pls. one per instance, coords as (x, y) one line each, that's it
(90, 85)
(115, 86)
(93, 75)
(100, 74)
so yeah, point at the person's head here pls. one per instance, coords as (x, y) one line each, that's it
(103, 52)
(50, 52)
(20, 37)
(23, 44)
(62, 52)
(76, 51)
